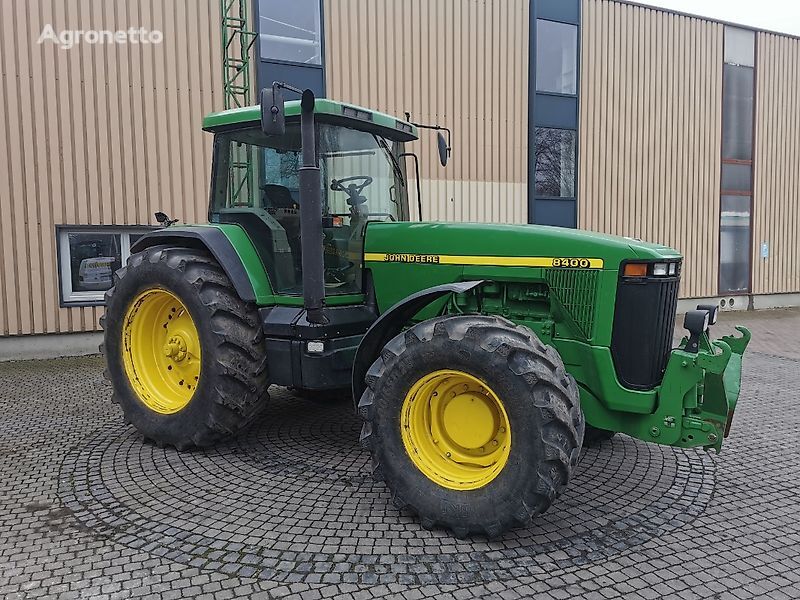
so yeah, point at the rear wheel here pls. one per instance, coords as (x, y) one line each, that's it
(472, 422)
(185, 354)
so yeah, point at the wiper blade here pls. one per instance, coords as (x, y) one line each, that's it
(395, 165)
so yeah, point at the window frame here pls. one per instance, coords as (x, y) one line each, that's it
(69, 298)
(750, 162)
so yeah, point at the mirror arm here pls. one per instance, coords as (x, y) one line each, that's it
(434, 128)
(286, 86)
(416, 175)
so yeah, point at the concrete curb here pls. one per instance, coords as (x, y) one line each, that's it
(53, 345)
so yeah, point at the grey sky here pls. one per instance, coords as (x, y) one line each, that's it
(776, 15)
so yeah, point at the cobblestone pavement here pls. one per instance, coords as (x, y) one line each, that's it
(288, 508)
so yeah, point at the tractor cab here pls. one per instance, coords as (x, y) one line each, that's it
(256, 185)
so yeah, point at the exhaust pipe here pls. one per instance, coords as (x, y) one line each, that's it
(311, 236)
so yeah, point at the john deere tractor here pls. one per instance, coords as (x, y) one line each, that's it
(480, 357)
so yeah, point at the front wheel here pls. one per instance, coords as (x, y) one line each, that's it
(472, 422)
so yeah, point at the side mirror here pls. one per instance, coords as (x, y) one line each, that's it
(164, 219)
(444, 150)
(273, 121)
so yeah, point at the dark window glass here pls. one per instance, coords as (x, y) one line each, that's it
(555, 162)
(736, 177)
(737, 112)
(734, 255)
(290, 30)
(556, 57)
(93, 259)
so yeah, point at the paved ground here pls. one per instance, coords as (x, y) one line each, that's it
(289, 509)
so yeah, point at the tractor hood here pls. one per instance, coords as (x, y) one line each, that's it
(424, 242)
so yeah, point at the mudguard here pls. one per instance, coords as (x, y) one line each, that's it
(210, 238)
(390, 323)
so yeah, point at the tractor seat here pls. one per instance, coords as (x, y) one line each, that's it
(277, 196)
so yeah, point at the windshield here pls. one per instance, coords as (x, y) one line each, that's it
(256, 186)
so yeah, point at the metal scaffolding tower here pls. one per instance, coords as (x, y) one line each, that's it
(237, 43)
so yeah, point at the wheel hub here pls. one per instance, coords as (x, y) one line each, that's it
(455, 430)
(161, 351)
(469, 420)
(175, 348)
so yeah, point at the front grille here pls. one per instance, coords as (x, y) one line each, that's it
(575, 290)
(644, 320)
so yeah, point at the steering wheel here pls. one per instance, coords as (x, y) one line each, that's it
(353, 191)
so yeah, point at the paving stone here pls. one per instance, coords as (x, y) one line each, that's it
(289, 509)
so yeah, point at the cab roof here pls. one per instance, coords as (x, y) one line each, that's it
(331, 111)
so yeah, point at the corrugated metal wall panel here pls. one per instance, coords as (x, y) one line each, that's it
(650, 119)
(462, 64)
(101, 134)
(776, 200)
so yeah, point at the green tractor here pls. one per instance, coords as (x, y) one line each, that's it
(480, 357)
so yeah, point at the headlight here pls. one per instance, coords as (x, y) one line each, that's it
(654, 269)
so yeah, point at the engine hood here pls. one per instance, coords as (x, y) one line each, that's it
(508, 241)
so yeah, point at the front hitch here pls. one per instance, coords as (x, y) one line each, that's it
(707, 418)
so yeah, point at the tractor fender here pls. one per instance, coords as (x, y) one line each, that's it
(213, 240)
(390, 323)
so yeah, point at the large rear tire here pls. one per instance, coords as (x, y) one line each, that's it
(185, 354)
(472, 422)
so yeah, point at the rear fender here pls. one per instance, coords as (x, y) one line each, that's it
(211, 239)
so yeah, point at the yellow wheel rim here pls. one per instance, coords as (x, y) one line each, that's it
(455, 430)
(161, 351)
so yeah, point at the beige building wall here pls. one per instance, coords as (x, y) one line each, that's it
(100, 134)
(650, 127)
(107, 134)
(776, 199)
(459, 64)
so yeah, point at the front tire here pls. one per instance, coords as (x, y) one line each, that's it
(185, 354)
(472, 422)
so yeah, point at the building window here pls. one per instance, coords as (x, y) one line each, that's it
(290, 31)
(555, 162)
(88, 258)
(734, 244)
(737, 177)
(739, 47)
(556, 57)
(738, 92)
(737, 112)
